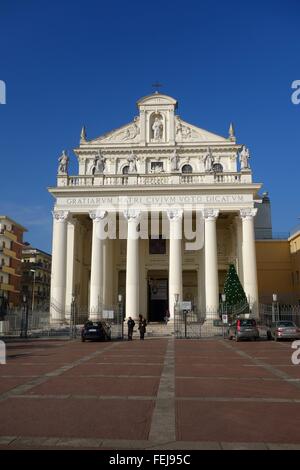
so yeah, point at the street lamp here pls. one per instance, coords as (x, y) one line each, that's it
(33, 287)
(275, 309)
(120, 299)
(73, 318)
(224, 312)
(24, 323)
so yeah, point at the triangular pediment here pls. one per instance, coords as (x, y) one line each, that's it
(184, 133)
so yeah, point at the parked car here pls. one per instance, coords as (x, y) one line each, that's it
(243, 328)
(96, 331)
(283, 329)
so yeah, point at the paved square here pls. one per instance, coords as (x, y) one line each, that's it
(156, 394)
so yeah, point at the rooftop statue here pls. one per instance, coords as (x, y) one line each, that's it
(208, 161)
(174, 159)
(98, 165)
(63, 164)
(132, 160)
(244, 158)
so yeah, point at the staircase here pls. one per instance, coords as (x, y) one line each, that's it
(155, 330)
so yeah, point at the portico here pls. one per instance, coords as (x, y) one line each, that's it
(161, 218)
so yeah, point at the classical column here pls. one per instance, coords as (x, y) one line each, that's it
(211, 265)
(70, 270)
(201, 280)
(58, 269)
(175, 258)
(96, 283)
(132, 264)
(108, 267)
(239, 248)
(249, 258)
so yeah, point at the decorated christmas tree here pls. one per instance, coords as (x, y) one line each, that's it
(233, 288)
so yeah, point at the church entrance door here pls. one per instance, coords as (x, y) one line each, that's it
(157, 299)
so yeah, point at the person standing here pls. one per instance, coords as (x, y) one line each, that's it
(167, 316)
(142, 326)
(130, 325)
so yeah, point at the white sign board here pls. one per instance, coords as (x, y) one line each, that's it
(225, 318)
(108, 314)
(186, 305)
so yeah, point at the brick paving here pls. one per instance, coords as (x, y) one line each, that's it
(152, 394)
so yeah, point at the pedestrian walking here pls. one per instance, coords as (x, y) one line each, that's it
(130, 325)
(167, 316)
(142, 326)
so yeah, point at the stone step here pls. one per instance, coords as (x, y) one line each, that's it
(155, 329)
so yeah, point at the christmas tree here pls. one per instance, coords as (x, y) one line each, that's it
(233, 288)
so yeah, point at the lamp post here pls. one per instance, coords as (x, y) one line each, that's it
(24, 323)
(176, 298)
(224, 312)
(33, 287)
(274, 308)
(120, 299)
(73, 318)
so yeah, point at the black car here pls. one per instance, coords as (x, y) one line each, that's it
(96, 331)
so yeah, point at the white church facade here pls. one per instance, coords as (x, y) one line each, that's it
(157, 212)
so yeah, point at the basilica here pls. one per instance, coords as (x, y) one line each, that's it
(157, 212)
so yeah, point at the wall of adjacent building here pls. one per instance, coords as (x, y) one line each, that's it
(294, 242)
(274, 270)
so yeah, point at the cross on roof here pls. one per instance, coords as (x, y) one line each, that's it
(156, 85)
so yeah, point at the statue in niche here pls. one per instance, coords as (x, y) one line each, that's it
(157, 128)
(208, 161)
(132, 162)
(174, 159)
(244, 158)
(98, 165)
(63, 164)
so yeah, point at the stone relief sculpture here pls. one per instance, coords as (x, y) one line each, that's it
(184, 132)
(244, 158)
(132, 131)
(208, 161)
(132, 162)
(98, 165)
(174, 159)
(157, 128)
(63, 164)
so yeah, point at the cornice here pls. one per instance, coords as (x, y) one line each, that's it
(92, 150)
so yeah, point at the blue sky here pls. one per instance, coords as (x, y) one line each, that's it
(69, 63)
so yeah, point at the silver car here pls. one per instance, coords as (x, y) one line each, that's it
(243, 328)
(283, 329)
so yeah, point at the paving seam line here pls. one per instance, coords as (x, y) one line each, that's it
(20, 389)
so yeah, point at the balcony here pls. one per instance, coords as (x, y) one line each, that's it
(9, 253)
(8, 270)
(159, 179)
(7, 287)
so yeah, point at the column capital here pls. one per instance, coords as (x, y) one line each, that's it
(60, 216)
(210, 214)
(97, 215)
(73, 221)
(174, 214)
(132, 214)
(248, 213)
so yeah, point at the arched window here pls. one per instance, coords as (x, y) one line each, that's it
(125, 170)
(217, 168)
(187, 169)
